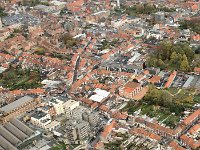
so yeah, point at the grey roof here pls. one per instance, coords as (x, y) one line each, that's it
(187, 83)
(39, 114)
(9, 136)
(15, 131)
(6, 145)
(14, 134)
(22, 127)
(16, 104)
(1, 148)
(21, 18)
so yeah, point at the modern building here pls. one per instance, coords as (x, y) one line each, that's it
(1, 25)
(69, 106)
(44, 121)
(78, 112)
(40, 119)
(91, 117)
(74, 131)
(58, 106)
(83, 130)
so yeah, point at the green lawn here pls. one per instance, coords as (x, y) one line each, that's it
(44, 52)
(197, 98)
(168, 113)
(18, 78)
(59, 146)
(173, 90)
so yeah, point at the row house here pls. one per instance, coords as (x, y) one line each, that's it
(189, 142)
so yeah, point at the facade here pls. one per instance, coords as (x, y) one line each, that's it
(1, 25)
(69, 106)
(58, 106)
(76, 131)
(41, 119)
(92, 118)
(130, 89)
(78, 113)
(19, 107)
(83, 130)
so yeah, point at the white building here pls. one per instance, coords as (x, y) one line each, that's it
(100, 95)
(58, 105)
(41, 119)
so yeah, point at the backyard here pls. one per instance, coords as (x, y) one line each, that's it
(44, 52)
(169, 112)
(18, 78)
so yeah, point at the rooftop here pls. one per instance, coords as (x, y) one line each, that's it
(16, 104)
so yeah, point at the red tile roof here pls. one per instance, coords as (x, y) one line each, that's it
(190, 142)
(191, 117)
(108, 128)
(104, 108)
(170, 79)
(155, 79)
(175, 146)
(143, 132)
(195, 129)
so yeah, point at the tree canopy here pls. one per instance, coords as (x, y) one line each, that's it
(146, 8)
(69, 41)
(2, 13)
(174, 103)
(192, 24)
(177, 56)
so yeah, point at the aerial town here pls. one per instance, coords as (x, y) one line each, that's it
(99, 74)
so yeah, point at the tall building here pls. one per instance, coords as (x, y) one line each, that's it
(83, 130)
(71, 134)
(69, 106)
(91, 117)
(76, 131)
(58, 106)
(78, 112)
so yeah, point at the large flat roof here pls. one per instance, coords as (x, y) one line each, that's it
(16, 104)
(99, 95)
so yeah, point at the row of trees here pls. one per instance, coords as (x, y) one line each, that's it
(175, 56)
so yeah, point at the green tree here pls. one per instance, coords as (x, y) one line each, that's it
(184, 64)
(173, 60)
(69, 41)
(161, 64)
(166, 98)
(2, 13)
(165, 50)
